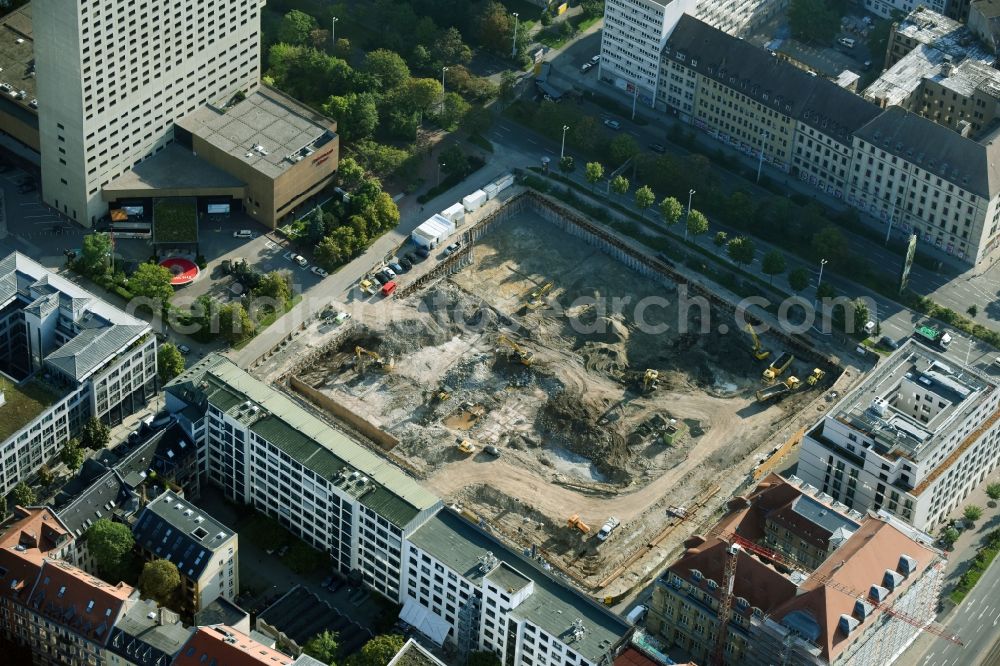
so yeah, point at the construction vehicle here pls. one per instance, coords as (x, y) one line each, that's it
(816, 377)
(739, 544)
(467, 447)
(537, 298)
(522, 356)
(362, 356)
(650, 380)
(574, 521)
(607, 528)
(758, 350)
(777, 367)
(933, 336)
(778, 390)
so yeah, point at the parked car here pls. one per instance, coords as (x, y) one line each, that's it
(381, 279)
(888, 343)
(846, 42)
(389, 273)
(657, 148)
(300, 260)
(451, 249)
(406, 262)
(243, 233)
(396, 267)
(870, 327)
(492, 450)
(596, 59)
(613, 124)
(319, 271)
(422, 252)
(388, 288)
(586, 67)
(184, 349)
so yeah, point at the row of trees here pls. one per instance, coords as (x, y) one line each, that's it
(325, 647)
(370, 213)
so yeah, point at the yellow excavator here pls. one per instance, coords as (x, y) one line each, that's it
(537, 298)
(758, 350)
(522, 356)
(362, 356)
(816, 377)
(650, 380)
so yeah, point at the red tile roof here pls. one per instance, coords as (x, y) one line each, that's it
(220, 645)
(78, 601)
(35, 527)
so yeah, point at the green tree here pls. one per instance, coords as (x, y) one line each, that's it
(337, 248)
(862, 314)
(741, 250)
(356, 114)
(350, 173)
(508, 83)
(798, 279)
(567, 163)
(593, 172)
(454, 110)
(159, 580)
(454, 159)
(495, 27)
(825, 290)
(773, 264)
(276, 285)
(620, 184)
(386, 212)
(950, 535)
(993, 491)
(151, 281)
(720, 238)
(829, 243)
(592, 8)
(95, 434)
(584, 134)
(477, 120)
(972, 310)
(342, 48)
(670, 211)
(483, 659)
(388, 68)
(323, 646)
(71, 455)
(644, 198)
(110, 543)
(813, 20)
(95, 253)
(23, 495)
(697, 224)
(623, 147)
(316, 225)
(972, 512)
(169, 362)
(45, 475)
(379, 651)
(295, 28)
(235, 324)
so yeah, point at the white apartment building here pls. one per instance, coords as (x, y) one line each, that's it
(461, 586)
(65, 355)
(267, 451)
(914, 439)
(114, 75)
(886, 8)
(633, 37)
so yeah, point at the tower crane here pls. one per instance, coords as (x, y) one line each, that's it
(737, 543)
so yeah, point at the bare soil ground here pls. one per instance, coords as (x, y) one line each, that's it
(577, 433)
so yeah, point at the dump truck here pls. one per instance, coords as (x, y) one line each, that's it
(778, 366)
(775, 391)
(466, 446)
(933, 336)
(607, 528)
(574, 521)
(816, 377)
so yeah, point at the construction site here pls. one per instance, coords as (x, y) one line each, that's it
(571, 396)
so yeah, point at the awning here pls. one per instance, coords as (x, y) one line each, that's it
(429, 624)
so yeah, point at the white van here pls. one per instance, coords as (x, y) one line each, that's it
(637, 614)
(846, 41)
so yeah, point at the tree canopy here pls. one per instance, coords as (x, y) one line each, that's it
(169, 362)
(23, 495)
(151, 281)
(296, 28)
(71, 455)
(109, 543)
(95, 434)
(773, 264)
(323, 646)
(813, 20)
(95, 253)
(159, 579)
(379, 651)
(741, 250)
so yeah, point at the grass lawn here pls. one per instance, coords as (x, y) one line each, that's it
(24, 403)
(175, 221)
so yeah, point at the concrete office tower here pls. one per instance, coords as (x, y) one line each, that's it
(634, 34)
(114, 75)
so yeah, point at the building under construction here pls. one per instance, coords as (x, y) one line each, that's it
(791, 577)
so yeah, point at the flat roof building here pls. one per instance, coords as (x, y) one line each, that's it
(913, 439)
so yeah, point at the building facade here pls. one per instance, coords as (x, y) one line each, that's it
(267, 451)
(107, 104)
(914, 439)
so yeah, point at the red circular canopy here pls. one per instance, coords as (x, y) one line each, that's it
(183, 270)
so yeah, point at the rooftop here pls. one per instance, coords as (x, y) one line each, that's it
(221, 611)
(17, 61)
(174, 529)
(928, 27)
(988, 8)
(314, 443)
(267, 131)
(552, 605)
(300, 615)
(148, 636)
(973, 70)
(912, 401)
(23, 403)
(222, 645)
(414, 655)
(173, 168)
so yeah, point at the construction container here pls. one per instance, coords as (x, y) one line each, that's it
(455, 213)
(491, 191)
(504, 181)
(474, 201)
(433, 231)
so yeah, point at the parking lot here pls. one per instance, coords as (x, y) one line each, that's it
(847, 51)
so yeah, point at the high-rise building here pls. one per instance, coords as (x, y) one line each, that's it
(115, 75)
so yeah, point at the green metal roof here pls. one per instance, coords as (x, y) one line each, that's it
(552, 604)
(306, 438)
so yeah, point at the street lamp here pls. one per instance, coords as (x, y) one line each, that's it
(333, 31)
(440, 165)
(513, 48)
(822, 263)
(892, 215)
(760, 162)
(690, 194)
(562, 149)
